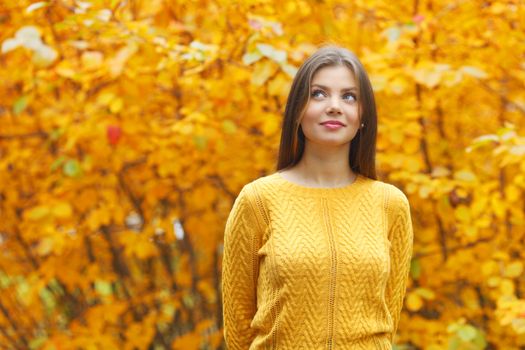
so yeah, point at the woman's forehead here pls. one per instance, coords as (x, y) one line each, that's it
(339, 78)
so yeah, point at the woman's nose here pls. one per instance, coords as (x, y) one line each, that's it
(334, 106)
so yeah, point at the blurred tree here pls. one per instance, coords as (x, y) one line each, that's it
(127, 129)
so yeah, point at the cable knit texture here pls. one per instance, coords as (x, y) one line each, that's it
(315, 267)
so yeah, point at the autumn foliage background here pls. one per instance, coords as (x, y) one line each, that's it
(127, 128)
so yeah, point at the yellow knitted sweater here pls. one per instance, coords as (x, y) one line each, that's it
(315, 267)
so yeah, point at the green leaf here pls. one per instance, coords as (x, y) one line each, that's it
(168, 310)
(272, 53)
(22, 290)
(188, 300)
(250, 57)
(425, 293)
(195, 44)
(453, 327)
(72, 168)
(56, 133)
(415, 268)
(453, 344)
(289, 69)
(229, 127)
(20, 105)
(200, 141)
(467, 333)
(517, 150)
(57, 163)
(28, 33)
(10, 44)
(474, 72)
(103, 288)
(481, 141)
(47, 299)
(480, 341)
(37, 342)
(392, 33)
(38, 212)
(36, 5)
(5, 281)
(465, 175)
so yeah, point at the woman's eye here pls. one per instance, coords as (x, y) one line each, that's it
(352, 95)
(314, 93)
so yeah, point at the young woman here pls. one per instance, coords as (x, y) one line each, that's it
(317, 254)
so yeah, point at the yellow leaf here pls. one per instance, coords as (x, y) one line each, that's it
(498, 206)
(412, 164)
(429, 78)
(462, 213)
(425, 293)
(512, 193)
(145, 249)
(38, 213)
(411, 145)
(117, 63)
(473, 71)
(451, 78)
(500, 255)
(105, 98)
(471, 231)
(262, 72)
(379, 82)
(116, 105)
(92, 59)
(270, 125)
(440, 171)
(514, 269)
(494, 281)
(62, 210)
(461, 193)
(229, 126)
(398, 85)
(396, 136)
(429, 74)
(470, 298)
(414, 302)
(506, 287)
(498, 8)
(489, 268)
(45, 246)
(188, 341)
(465, 175)
(278, 86)
(479, 205)
(424, 191)
(66, 72)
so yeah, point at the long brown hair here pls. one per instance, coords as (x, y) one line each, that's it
(363, 145)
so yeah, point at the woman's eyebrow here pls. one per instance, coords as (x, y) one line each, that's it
(327, 88)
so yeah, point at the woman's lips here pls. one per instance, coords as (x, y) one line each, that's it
(333, 125)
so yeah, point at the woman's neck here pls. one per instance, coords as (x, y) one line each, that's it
(329, 168)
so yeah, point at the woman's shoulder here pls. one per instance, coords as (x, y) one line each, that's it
(391, 189)
(395, 198)
(263, 183)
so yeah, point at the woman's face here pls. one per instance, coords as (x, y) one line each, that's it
(333, 96)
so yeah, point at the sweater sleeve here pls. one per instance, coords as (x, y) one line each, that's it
(400, 235)
(240, 269)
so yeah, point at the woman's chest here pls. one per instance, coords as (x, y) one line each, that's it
(317, 238)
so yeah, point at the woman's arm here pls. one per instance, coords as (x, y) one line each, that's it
(240, 270)
(400, 235)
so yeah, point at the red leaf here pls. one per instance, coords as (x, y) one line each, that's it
(113, 133)
(418, 18)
